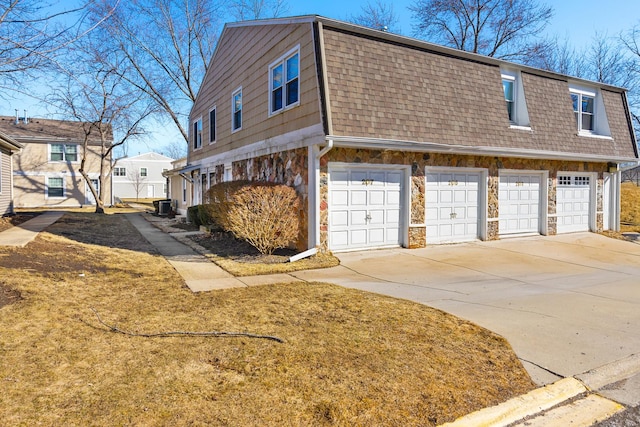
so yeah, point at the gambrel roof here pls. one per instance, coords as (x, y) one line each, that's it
(387, 91)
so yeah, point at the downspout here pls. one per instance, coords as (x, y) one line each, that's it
(326, 149)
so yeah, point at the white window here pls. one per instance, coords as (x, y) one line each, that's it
(583, 110)
(55, 187)
(197, 134)
(143, 171)
(212, 125)
(508, 84)
(588, 111)
(63, 153)
(516, 105)
(236, 110)
(184, 190)
(119, 171)
(284, 81)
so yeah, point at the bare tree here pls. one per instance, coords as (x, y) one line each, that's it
(175, 149)
(167, 48)
(111, 111)
(32, 34)
(631, 42)
(562, 58)
(242, 10)
(506, 29)
(379, 16)
(137, 181)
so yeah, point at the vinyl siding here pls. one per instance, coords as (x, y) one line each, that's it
(242, 59)
(5, 181)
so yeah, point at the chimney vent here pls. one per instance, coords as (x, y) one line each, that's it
(26, 120)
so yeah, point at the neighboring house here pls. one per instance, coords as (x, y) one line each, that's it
(141, 176)
(392, 141)
(180, 186)
(8, 146)
(46, 170)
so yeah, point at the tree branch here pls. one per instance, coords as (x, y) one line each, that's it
(113, 328)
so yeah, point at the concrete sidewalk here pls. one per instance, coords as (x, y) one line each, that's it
(24, 233)
(199, 273)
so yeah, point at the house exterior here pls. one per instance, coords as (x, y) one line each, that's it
(180, 186)
(8, 146)
(392, 141)
(46, 170)
(141, 176)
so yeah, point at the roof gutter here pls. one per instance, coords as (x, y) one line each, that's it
(432, 147)
(326, 149)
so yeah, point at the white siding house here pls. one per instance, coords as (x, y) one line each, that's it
(140, 177)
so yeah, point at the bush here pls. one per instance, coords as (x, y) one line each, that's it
(263, 214)
(200, 215)
(192, 215)
(220, 201)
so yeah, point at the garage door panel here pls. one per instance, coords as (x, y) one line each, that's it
(340, 218)
(573, 202)
(452, 206)
(519, 203)
(365, 207)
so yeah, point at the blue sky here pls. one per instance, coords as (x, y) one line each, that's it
(576, 20)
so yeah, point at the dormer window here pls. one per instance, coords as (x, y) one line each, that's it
(588, 111)
(583, 111)
(507, 85)
(514, 99)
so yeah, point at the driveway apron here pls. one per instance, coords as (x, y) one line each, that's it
(567, 304)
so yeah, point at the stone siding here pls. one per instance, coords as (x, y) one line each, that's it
(285, 167)
(418, 163)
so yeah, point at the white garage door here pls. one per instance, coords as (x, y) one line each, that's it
(452, 206)
(573, 202)
(364, 208)
(519, 203)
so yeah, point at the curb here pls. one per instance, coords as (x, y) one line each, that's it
(570, 401)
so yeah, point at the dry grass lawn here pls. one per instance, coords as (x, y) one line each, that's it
(348, 357)
(630, 207)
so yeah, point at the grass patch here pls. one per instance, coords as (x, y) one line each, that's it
(630, 207)
(349, 357)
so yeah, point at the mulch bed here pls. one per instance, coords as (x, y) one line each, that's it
(225, 245)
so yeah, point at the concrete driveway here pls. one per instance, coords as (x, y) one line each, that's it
(567, 304)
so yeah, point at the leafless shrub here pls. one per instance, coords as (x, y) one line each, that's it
(220, 201)
(265, 215)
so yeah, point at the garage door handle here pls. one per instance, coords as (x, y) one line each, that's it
(453, 215)
(367, 218)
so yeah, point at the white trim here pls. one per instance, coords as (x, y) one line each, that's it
(483, 194)
(433, 147)
(46, 186)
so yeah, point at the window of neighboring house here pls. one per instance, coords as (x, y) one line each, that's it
(63, 153)
(212, 125)
(284, 81)
(55, 187)
(119, 171)
(184, 190)
(583, 110)
(197, 134)
(236, 109)
(143, 171)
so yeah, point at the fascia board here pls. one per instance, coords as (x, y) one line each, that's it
(432, 147)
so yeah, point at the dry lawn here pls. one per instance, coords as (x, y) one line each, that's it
(630, 207)
(349, 358)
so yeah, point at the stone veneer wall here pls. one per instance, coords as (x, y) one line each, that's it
(418, 162)
(285, 167)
